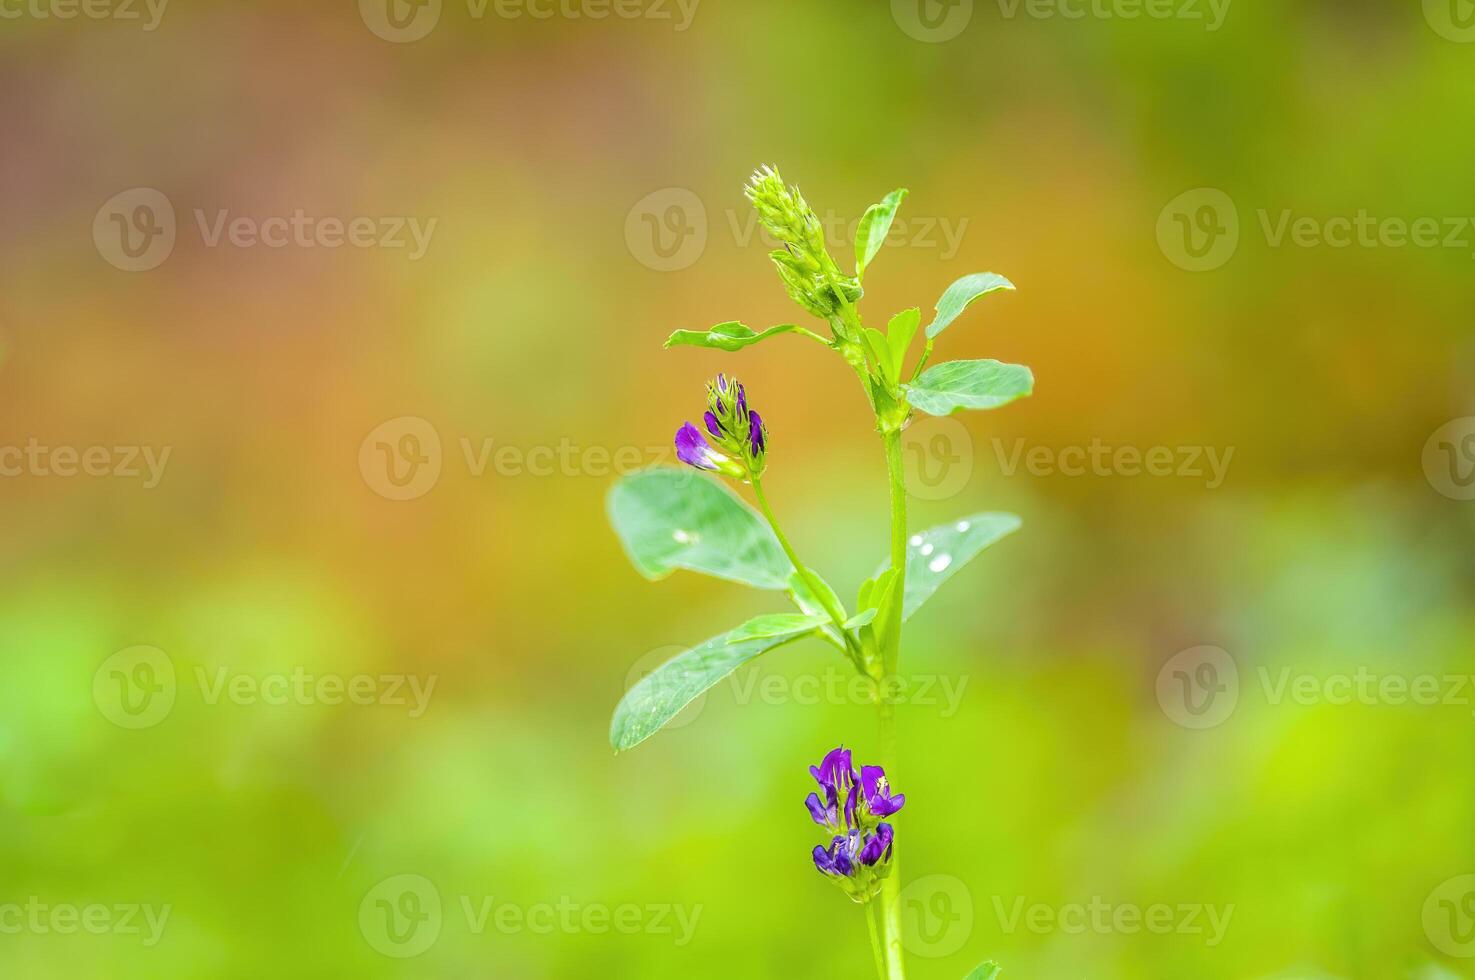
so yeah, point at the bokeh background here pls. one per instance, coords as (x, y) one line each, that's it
(583, 175)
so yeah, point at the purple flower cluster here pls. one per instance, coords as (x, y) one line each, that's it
(859, 856)
(739, 439)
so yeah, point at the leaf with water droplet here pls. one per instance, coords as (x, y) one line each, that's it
(669, 518)
(935, 555)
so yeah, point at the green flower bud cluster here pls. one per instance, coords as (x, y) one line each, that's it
(804, 265)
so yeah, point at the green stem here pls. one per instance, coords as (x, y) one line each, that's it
(886, 712)
(820, 593)
(877, 949)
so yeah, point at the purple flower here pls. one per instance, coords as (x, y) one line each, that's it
(839, 858)
(877, 792)
(849, 853)
(834, 773)
(824, 814)
(859, 855)
(693, 449)
(756, 437)
(877, 846)
(739, 439)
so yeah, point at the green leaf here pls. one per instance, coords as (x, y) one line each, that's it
(875, 225)
(880, 349)
(728, 336)
(961, 294)
(860, 619)
(899, 334)
(776, 624)
(660, 695)
(809, 601)
(669, 518)
(985, 971)
(954, 385)
(935, 555)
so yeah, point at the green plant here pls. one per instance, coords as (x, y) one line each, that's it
(668, 518)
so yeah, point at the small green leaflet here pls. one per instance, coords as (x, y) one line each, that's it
(660, 695)
(955, 385)
(875, 225)
(961, 294)
(899, 334)
(728, 336)
(669, 518)
(985, 971)
(813, 605)
(935, 555)
(776, 624)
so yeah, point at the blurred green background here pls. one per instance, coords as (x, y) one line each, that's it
(583, 175)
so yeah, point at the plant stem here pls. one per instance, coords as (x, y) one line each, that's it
(820, 593)
(886, 713)
(877, 950)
